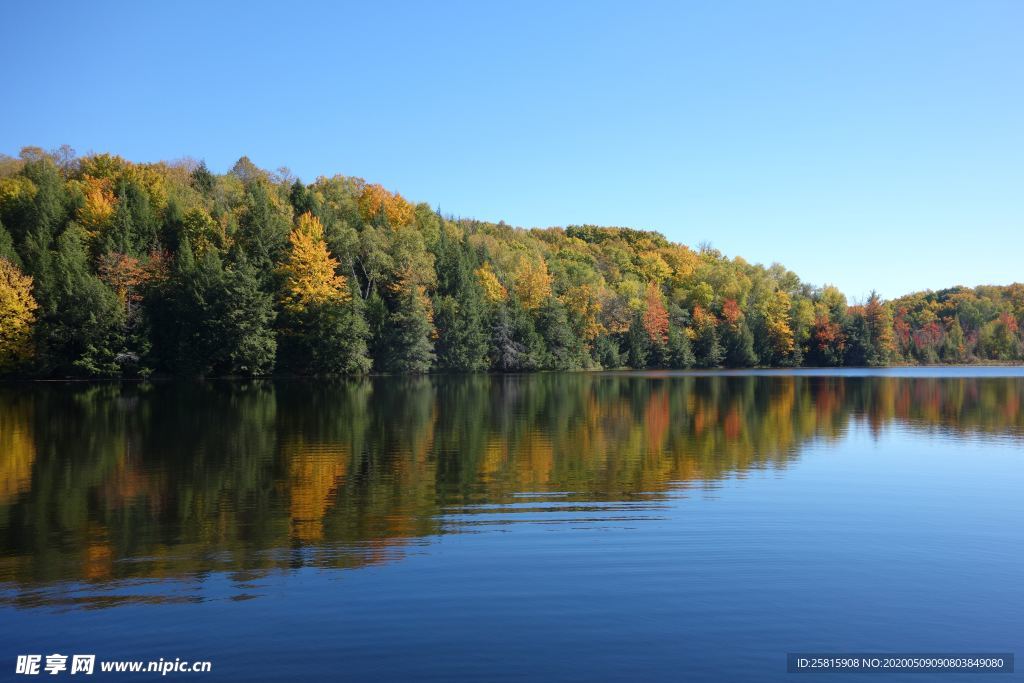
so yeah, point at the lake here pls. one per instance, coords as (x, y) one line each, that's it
(586, 526)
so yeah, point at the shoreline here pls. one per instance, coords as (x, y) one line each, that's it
(848, 370)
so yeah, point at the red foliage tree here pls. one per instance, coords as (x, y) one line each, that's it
(655, 318)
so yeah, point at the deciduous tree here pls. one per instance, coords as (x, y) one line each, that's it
(17, 316)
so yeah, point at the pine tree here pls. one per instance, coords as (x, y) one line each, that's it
(565, 350)
(638, 344)
(263, 231)
(84, 334)
(706, 347)
(515, 344)
(607, 353)
(351, 334)
(859, 350)
(409, 349)
(7, 250)
(459, 308)
(738, 345)
(243, 320)
(118, 237)
(202, 180)
(878, 319)
(43, 218)
(680, 351)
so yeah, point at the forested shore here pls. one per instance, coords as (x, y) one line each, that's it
(110, 268)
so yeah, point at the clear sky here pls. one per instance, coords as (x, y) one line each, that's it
(867, 144)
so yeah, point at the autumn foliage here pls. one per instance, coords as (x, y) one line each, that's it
(310, 271)
(120, 269)
(655, 317)
(17, 314)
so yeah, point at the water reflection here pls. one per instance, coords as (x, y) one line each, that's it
(134, 493)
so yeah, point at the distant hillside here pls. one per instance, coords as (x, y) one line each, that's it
(110, 268)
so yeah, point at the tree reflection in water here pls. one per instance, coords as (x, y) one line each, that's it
(105, 483)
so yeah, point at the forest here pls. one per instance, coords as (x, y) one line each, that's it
(111, 269)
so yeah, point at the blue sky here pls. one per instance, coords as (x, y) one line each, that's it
(867, 144)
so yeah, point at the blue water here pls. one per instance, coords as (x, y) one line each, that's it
(564, 527)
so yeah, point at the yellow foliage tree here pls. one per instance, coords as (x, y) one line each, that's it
(16, 188)
(309, 272)
(583, 303)
(374, 199)
(532, 283)
(493, 289)
(653, 267)
(99, 204)
(775, 310)
(17, 315)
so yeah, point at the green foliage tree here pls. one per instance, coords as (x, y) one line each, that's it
(638, 344)
(607, 353)
(459, 309)
(515, 344)
(7, 250)
(263, 229)
(408, 346)
(680, 351)
(564, 349)
(83, 333)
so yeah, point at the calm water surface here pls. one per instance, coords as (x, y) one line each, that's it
(613, 526)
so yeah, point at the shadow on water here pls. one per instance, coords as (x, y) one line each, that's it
(113, 494)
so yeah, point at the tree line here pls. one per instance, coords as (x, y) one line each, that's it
(110, 268)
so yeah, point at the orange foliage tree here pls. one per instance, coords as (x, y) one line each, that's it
(655, 317)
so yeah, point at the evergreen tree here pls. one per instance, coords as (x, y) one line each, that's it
(706, 347)
(202, 180)
(243, 319)
(879, 323)
(351, 334)
(44, 216)
(83, 334)
(173, 226)
(738, 345)
(376, 313)
(680, 351)
(638, 344)
(606, 352)
(516, 345)
(326, 339)
(302, 199)
(118, 238)
(7, 250)
(859, 348)
(409, 349)
(564, 350)
(459, 308)
(262, 231)
(184, 314)
(212, 319)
